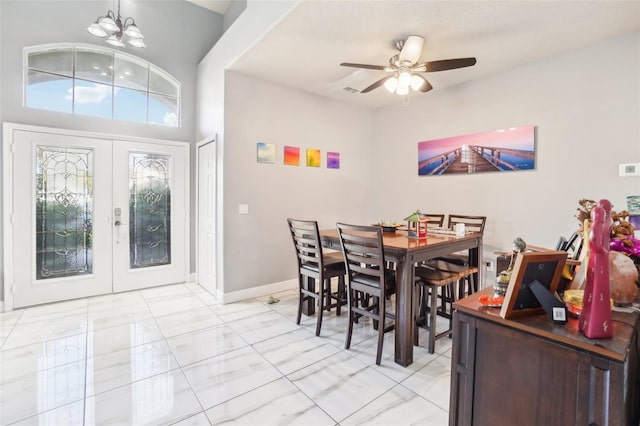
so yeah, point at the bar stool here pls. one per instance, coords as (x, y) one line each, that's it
(431, 285)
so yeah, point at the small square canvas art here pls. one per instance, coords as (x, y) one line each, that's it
(333, 160)
(266, 152)
(292, 155)
(313, 158)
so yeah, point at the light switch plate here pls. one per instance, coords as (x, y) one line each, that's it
(629, 169)
(243, 208)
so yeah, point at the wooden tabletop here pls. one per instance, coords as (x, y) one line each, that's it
(616, 348)
(400, 240)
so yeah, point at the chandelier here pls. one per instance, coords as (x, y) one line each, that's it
(114, 28)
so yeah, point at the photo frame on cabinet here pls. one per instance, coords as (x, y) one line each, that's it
(542, 266)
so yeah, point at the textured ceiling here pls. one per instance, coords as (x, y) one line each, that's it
(305, 48)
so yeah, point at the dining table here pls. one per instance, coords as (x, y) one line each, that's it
(405, 253)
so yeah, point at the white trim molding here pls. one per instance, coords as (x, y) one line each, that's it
(259, 291)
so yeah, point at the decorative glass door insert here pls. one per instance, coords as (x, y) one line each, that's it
(90, 215)
(64, 211)
(149, 210)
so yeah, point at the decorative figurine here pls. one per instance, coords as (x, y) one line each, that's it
(595, 319)
(503, 278)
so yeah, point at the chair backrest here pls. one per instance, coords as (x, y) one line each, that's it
(436, 220)
(573, 246)
(363, 253)
(471, 223)
(306, 240)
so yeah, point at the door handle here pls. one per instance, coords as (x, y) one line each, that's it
(117, 213)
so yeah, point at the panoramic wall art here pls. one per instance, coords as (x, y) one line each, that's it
(495, 151)
(292, 155)
(266, 152)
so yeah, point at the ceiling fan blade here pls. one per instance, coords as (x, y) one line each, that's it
(365, 66)
(411, 50)
(449, 64)
(426, 86)
(376, 84)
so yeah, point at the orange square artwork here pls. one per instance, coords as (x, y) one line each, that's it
(292, 155)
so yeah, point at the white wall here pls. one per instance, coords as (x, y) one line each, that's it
(586, 108)
(258, 248)
(258, 17)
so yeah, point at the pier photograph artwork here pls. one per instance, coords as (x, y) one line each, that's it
(493, 151)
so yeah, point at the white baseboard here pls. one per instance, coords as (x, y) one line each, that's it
(193, 277)
(253, 292)
(1, 306)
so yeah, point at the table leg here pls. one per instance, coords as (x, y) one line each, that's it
(309, 307)
(404, 312)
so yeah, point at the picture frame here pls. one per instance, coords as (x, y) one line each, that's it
(542, 266)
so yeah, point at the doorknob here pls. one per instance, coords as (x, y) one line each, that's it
(117, 213)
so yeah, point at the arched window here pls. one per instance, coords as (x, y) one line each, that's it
(98, 81)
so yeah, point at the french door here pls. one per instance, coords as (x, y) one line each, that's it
(91, 216)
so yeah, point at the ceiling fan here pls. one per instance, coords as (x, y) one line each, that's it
(405, 69)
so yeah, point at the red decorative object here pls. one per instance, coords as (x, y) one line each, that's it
(595, 319)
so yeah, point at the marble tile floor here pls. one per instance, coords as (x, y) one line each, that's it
(174, 355)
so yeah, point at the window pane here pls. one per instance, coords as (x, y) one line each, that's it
(92, 99)
(163, 110)
(130, 105)
(162, 83)
(57, 60)
(64, 212)
(149, 210)
(94, 65)
(131, 73)
(48, 91)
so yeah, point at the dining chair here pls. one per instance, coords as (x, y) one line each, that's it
(316, 267)
(432, 285)
(434, 220)
(368, 281)
(459, 262)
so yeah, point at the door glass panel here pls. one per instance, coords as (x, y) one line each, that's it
(149, 210)
(64, 211)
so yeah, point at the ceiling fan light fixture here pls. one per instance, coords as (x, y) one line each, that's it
(404, 79)
(402, 90)
(391, 84)
(416, 82)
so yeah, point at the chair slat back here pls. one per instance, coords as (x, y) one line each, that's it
(363, 252)
(436, 220)
(306, 240)
(471, 223)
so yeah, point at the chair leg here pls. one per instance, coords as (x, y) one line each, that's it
(433, 315)
(300, 298)
(320, 307)
(381, 313)
(340, 294)
(350, 301)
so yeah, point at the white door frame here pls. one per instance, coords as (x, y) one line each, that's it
(7, 191)
(203, 142)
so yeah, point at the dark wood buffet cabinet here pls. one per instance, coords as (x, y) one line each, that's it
(528, 371)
